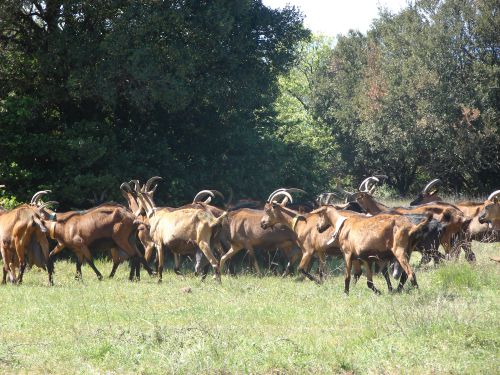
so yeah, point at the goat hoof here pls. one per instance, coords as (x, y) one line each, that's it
(159, 281)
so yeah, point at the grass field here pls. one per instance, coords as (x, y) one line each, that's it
(253, 325)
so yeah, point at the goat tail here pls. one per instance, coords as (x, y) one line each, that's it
(418, 230)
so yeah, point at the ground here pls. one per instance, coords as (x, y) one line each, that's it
(249, 324)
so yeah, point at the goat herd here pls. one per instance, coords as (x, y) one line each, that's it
(362, 231)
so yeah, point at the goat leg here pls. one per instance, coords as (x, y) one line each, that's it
(385, 272)
(369, 276)
(78, 275)
(347, 277)
(50, 270)
(113, 270)
(146, 266)
(402, 281)
(21, 272)
(88, 257)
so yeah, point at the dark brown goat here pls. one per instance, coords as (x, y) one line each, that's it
(79, 229)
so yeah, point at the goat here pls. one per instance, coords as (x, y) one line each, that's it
(23, 241)
(179, 247)
(453, 219)
(242, 230)
(188, 225)
(304, 225)
(490, 214)
(78, 230)
(479, 230)
(428, 194)
(383, 236)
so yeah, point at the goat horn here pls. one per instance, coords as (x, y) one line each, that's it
(136, 185)
(365, 187)
(151, 181)
(38, 194)
(430, 185)
(493, 195)
(279, 194)
(217, 192)
(126, 187)
(274, 192)
(202, 193)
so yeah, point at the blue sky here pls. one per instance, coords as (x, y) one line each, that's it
(331, 17)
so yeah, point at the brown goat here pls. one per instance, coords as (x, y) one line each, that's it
(189, 225)
(23, 241)
(304, 225)
(382, 236)
(177, 247)
(242, 230)
(78, 230)
(490, 214)
(450, 215)
(428, 194)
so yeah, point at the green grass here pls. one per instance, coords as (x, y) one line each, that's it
(253, 325)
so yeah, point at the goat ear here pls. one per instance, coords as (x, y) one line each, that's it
(433, 192)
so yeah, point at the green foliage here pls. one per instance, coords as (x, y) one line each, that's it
(95, 93)
(232, 94)
(417, 98)
(8, 201)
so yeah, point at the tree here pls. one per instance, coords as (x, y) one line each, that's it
(94, 93)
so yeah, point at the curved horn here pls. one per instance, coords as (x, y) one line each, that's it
(136, 185)
(364, 187)
(274, 192)
(430, 185)
(279, 194)
(38, 195)
(126, 187)
(493, 195)
(202, 193)
(217, 192)
(151, 181)
(214, 193)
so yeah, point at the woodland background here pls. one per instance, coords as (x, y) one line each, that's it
(231, 94)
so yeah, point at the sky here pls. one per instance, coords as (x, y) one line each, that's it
(332, 17)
